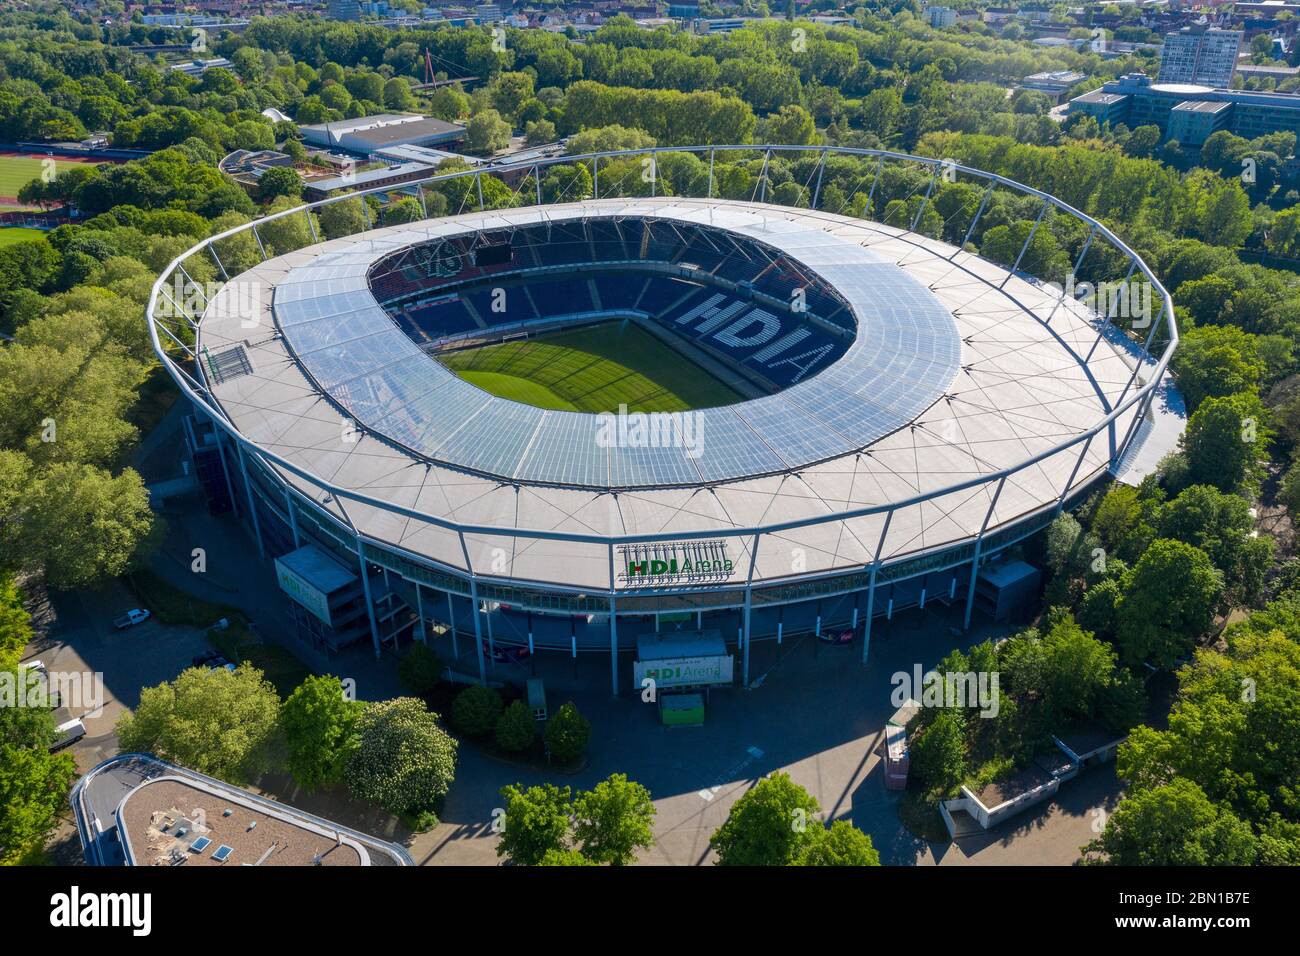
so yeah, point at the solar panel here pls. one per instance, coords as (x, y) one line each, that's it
(846, 393)
(200, 844)
(222, 853)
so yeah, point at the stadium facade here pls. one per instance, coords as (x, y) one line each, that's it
(905, 411)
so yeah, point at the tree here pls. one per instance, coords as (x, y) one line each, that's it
(342, 218)
(486, 132)
(1169, 599)
(34, 785)
(286, 233)
(1143, 141)
(536, 822)
(1172, 825)
(1221, 525)
(564, 858)
(539, 132)
(420, 669)
(279, 181)
(567, 732)
(938, 754)
(771, 825)
(15, 622)
(320, 724)
(404, 761)
(476, 710)
(219, 722)
(1225, 440)
(792, 125)
(406, 209)
(842, 844)
(613, 820)
(1217, 360)
(516, 729)
(83, 524)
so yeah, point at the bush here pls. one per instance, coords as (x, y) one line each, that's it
(404, 762)
(420, 670)
(515, 728)
(476, 710)
(567, 733)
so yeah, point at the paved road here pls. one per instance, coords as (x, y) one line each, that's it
(813, 711)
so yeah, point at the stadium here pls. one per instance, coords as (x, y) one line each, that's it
(568, 425)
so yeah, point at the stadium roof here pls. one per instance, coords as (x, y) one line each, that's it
(903, 358)
(1022, 385)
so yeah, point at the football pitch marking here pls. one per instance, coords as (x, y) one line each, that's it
(593, 369)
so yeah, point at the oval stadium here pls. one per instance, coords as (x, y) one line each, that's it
(575, 427)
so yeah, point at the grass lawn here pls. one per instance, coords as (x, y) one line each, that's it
(171, 605)
(12, 234)
(595, 369)
(16, 172)
(277, 664)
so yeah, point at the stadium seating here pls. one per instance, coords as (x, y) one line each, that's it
(758, 335)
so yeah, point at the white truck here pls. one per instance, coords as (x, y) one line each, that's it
(130, 618)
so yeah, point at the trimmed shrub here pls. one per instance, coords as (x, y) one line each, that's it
(515, 728)
(567, 733)
(420, 670)
(476, 710)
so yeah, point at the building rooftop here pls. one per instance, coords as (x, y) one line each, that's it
(1099, 96)
(1202, 106)
(317, 568)
(370, 177)
(138, 810)
(171, 820)
(1020, 388)
(1021, 782)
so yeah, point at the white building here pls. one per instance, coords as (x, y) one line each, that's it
(941, 17)
(1201, 57)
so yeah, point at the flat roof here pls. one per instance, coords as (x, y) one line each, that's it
(670, 644)
(1099, 96)
(131, 809)
(163, 818)
(368, 178)
(1201, 106)
(1018, 784)
(903, 358)
(1022, 387)
(318, 569)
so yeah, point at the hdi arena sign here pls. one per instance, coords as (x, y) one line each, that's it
(668, 563)
(684, 671)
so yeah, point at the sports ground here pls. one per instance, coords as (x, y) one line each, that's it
(16, 171)
(593, 369)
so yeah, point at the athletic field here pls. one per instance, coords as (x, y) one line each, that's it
(17, 171)
(595, 369)
(12, 234)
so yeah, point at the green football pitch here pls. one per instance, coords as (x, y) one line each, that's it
(595, 369)
(16, 172)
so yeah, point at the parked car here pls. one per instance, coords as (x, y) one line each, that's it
(41, 677)
(838, 637)
(507, 654)
(212, 660)
(131, 618)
